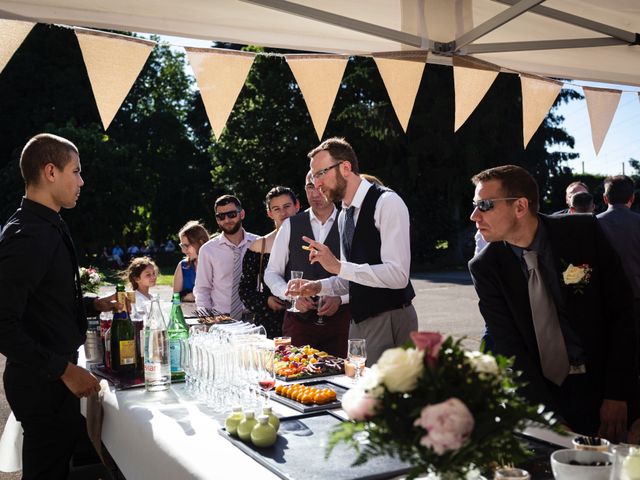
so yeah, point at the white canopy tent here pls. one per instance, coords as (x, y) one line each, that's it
(588, 40)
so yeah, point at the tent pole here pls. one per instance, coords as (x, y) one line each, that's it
(628, 37)
(522, 6)
(541, 45)
(340, 21)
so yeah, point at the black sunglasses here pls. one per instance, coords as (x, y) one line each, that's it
(487, 204)
(232, 214)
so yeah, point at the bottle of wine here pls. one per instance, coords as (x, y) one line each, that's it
(137, 317)
(157, 374)
(178, 334)
(123, 337)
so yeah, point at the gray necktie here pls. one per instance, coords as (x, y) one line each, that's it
(347, 234)
(237, 308)
(551, 346)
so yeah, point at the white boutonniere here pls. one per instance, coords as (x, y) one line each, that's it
(577, 276)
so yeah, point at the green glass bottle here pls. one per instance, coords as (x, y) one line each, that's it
(123, 338)
(178, 333)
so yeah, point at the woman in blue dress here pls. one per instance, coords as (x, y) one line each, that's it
(192, 236)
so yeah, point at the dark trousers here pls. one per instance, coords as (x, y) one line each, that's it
(331, 337)
(51, 420)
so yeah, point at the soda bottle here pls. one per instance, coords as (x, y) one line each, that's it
(178, 334)
(157, 373)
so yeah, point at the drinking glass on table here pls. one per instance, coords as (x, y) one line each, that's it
(357, 354)
(295, 275)
(266, 370)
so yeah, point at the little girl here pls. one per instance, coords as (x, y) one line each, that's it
(142, 274)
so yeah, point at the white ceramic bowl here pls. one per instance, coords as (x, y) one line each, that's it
(563, 470)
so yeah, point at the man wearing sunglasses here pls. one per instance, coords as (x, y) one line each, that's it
(554, 296)
(220, 261)
(375, 251)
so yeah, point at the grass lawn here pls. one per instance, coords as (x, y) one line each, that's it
(164, 278)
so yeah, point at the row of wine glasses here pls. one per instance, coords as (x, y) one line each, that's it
(297, 275)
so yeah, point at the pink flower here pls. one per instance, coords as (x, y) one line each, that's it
(359, 405)
(431, 343)
(448, 424)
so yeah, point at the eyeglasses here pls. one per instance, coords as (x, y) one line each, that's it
(232, 214)
(184, 246)
(487, 204)
(321, 173)
(310, 187)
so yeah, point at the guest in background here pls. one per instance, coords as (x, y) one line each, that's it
(192, 236)
(116, 255)
(268, 310)
(220, 261)
(570, 191)
(582, 202)
(133, 251)
(325, 327)
(142, 274)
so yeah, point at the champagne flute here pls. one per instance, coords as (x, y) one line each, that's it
(357, 355)
(320, 322)
(266, 370)
(295, 275)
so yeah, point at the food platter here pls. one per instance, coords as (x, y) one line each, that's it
(296, 363)
(312, 407)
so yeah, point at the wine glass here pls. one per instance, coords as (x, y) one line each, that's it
(357, 354)
(295, 275)
(320, 322)
(266, 370)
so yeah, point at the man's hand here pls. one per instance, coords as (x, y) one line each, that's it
(320, 253)
(275, 304)
(189, 297)
(79, 381)
(329, 306)
(613, 420)
(106, 304)
(303, 288)
(304, 304)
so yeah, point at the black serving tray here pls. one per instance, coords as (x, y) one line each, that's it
(339, 389)
(119, 381)
(302, 442)
(539, 464)
(307, 376)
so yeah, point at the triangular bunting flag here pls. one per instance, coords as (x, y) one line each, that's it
(602, 105)
(12, 34)
(538, 96)
(220, 75)
(319, 78)
(472, 81)
(401, 73)
(113, 63)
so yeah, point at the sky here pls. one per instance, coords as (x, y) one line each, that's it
(621, 143)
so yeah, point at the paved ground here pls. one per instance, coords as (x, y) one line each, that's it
(445, 302)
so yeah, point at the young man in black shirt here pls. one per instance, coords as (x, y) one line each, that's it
(43, 320)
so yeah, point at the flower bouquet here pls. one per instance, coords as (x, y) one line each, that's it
(440, 408)
(90, 279)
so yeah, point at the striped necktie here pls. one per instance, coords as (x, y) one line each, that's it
(237, 308)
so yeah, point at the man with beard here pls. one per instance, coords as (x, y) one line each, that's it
(220, 261)
(375, 254)
(324, 326)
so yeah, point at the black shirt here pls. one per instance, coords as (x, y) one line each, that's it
(42, 319)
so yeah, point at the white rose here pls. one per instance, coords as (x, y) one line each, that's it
(482, 363)
(573, 275)
(370, 382)
(400, 369)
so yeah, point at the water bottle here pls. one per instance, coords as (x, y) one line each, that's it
(157, 373)
(178, 333)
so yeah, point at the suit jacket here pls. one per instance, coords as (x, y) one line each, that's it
(622, 227)
(601, 316)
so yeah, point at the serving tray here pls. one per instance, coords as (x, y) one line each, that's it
(302, 442)
(301, 407)
(119, 381)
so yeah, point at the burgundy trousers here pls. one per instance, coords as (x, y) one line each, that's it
(331, 337)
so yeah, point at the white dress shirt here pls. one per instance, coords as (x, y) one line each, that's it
(274, 274)
(391, 217)
(214, 280)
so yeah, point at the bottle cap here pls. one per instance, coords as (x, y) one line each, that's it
(249, 414)
(263, 418)
(266, 410)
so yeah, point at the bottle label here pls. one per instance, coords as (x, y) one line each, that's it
(152, 372)
(127, 352)
(175, 351)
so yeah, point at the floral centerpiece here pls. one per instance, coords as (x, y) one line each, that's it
(90, 279)
(440, 408)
